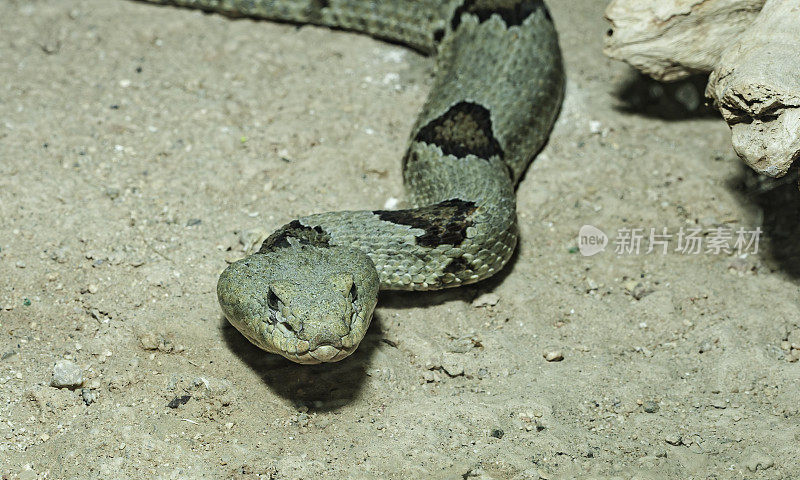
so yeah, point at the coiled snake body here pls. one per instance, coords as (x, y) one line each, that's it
(309, 292)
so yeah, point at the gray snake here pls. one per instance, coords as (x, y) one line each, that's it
(309, 292)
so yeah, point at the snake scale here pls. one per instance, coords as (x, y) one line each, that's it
(309, 292)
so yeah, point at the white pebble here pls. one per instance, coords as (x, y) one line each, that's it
(66, 375)
(553, 355)
(391, 203)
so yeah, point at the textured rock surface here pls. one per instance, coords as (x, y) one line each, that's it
(672, 39)
(756, 87)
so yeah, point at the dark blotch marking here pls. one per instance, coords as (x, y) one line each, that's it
(466, 128)
(513, 12)
(457, 265)
(315, 236)
(444, 223)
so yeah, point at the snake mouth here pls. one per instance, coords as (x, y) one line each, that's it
(288, 342)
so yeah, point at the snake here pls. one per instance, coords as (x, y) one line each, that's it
(310, 291)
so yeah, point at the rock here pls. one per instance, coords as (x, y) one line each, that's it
(756, 86)
(149, 341)
(452, 365)
(252, 239)
(486, 300)
(650, 406)
(66, 375)
(794, 339)
(463, 344)
(673, 439)
(162, 343)
(178, 401)
(88, 396)
(758, 461)
(672, 39)
(553, 355)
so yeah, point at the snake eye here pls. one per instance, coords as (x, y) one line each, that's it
(353, 295)
(273, 302)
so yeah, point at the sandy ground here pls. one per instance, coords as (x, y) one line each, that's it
(141, 147)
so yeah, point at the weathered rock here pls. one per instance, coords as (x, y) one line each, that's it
(756, 87)
(672, 39)
(66, 375)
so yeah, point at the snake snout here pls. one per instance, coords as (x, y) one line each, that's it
(328, 332)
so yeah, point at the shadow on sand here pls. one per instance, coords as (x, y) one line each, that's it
(779, 201)
(681, 100)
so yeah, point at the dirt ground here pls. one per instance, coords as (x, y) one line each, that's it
(142, 147)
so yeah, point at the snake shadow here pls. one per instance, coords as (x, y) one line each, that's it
(322, 387)
(779, 202)
(684, 99)
(330, 386)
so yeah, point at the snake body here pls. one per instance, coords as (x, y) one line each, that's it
(309, 292)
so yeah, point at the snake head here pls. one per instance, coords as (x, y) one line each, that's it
(310, 304)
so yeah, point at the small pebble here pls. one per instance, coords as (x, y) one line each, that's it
(112, 193)
(88, 396)
(452, 366)
(650, 406)
(673, 439)
(486, 300)
(463, 344)
(233, 257)
(66, 375)
(794, 338)
(758, 461)
(391, 203)
(252, 238)
(149, 341)
(178, 401)
(92, 288)
(497, 433)
(553, 355)
(794, 355)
